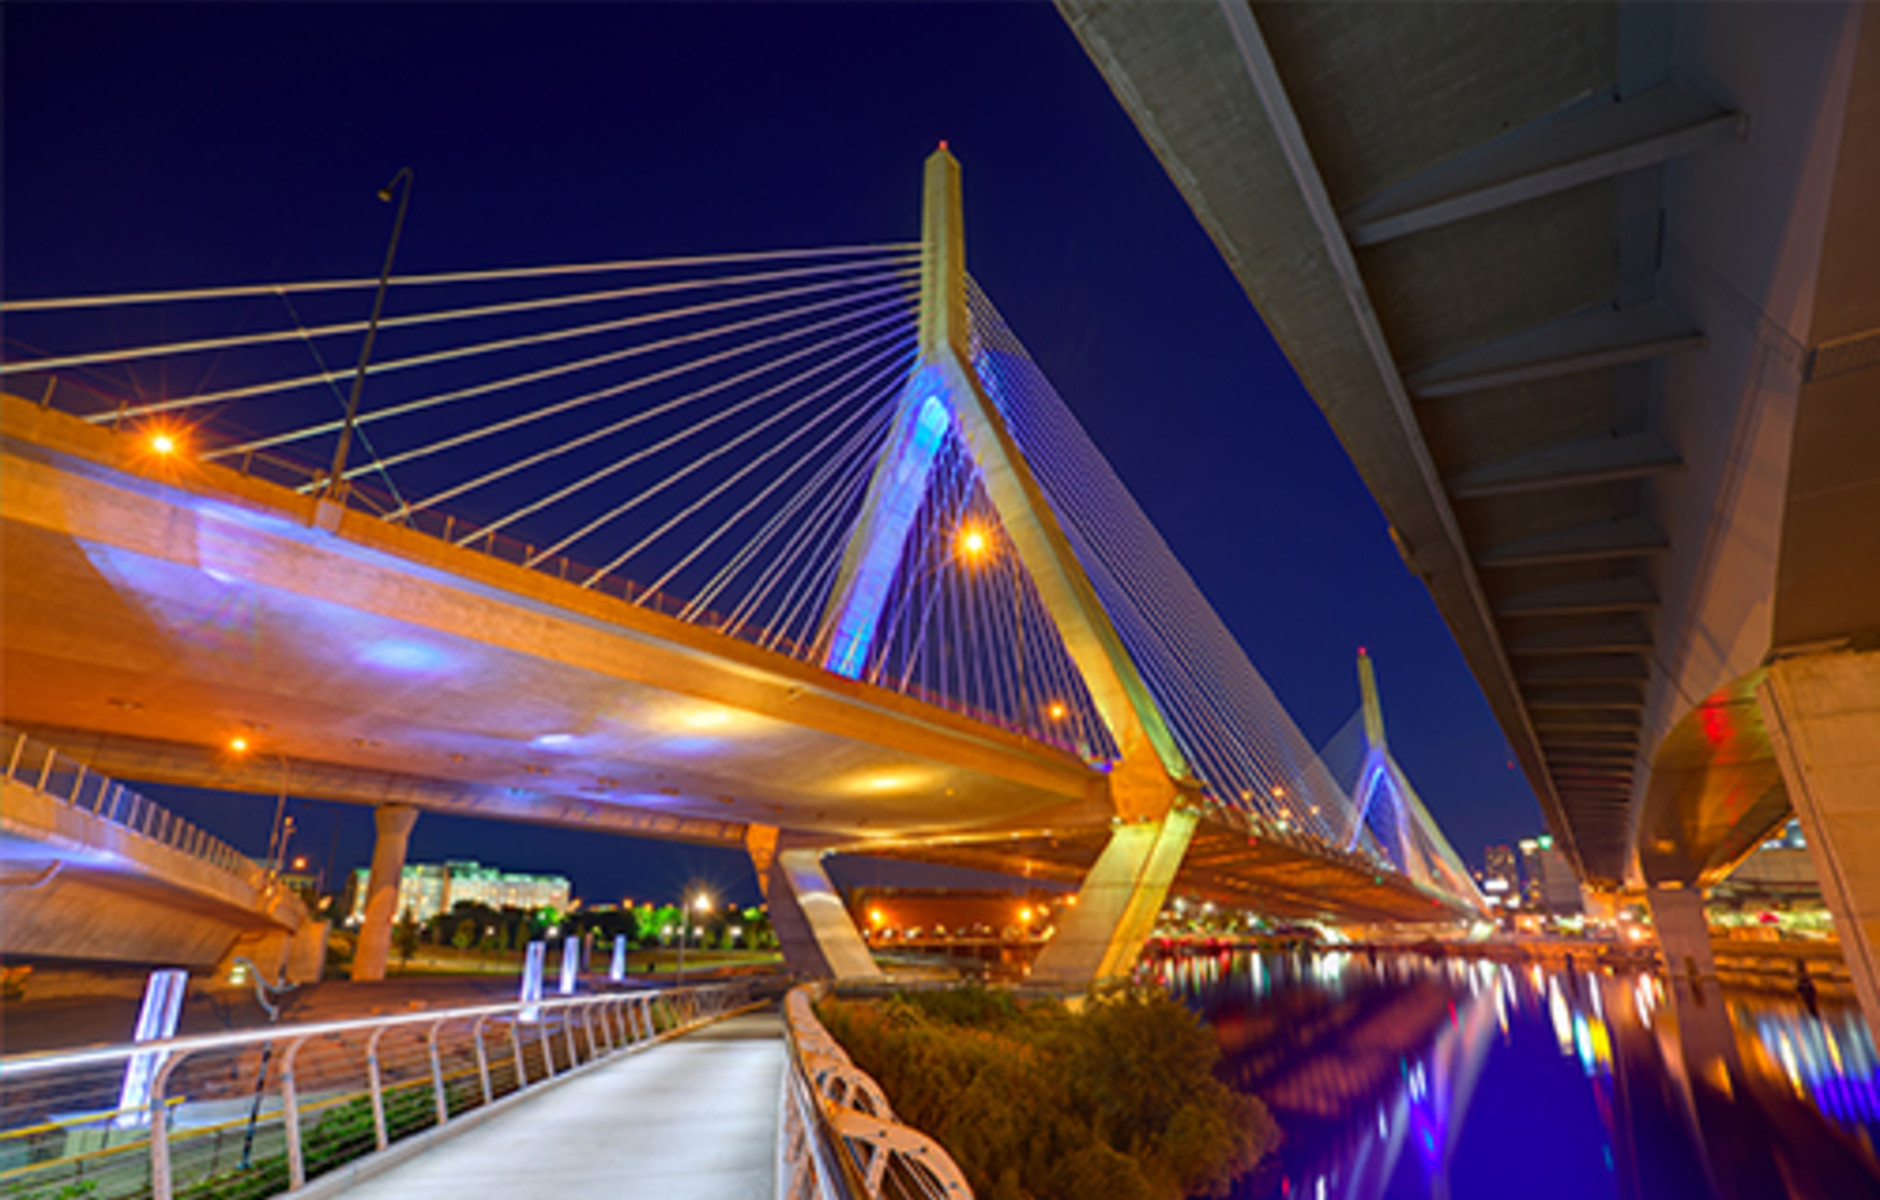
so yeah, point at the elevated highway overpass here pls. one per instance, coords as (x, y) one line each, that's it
(93, 872)
(1588, 294)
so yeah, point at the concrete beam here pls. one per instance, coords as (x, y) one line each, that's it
(152, 761)
(1570, 464)
(1611, 668)
(1625, 593)
(1591, 637)
(1590, 340)
(1632, 537)
(1595, 139)
(1616, 697)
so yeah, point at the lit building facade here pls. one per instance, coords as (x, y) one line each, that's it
(1552, 887)
(427, 889)
(1501, 881)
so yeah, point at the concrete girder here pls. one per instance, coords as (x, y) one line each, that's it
(1591, 340)
(1573, 464)
(1591, 668)
(1595, 139)
(188, 765)
(1617, 698)
(1623, 593)
(1589, 637)
(1628, 538)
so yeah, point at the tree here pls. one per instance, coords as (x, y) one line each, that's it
(405, 937)
(466, 935)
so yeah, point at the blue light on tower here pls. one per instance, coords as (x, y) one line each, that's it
(906, 483)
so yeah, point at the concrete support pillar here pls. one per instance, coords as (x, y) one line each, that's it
(306, 954)
(1823, 716)
(1683, 931)
(818, 938)
(1098, 940)
(388, 869)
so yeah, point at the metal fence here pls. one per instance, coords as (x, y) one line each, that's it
(42, 768)
(837, 1135)
(243, 1115)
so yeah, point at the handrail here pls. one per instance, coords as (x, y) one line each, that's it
(35, 764)
(838, 1137)
(219, 1116)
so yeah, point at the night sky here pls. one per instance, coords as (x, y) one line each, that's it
(161, 146)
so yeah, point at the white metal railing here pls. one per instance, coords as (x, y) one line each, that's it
(837, 1135)
(42, 768)
(244, 1115)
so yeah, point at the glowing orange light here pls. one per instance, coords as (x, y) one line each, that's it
(972, 542)
(163, 443)
(1057, 710)
(1024, 915)
(1279, 793)
(877, 918)
(300, 864)
(238, 744)
(1071, 899)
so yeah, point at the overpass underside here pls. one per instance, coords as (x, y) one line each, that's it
(1265, 873)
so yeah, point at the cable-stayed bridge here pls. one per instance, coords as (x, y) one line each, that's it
(794, 550)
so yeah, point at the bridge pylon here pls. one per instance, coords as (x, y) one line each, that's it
(945, 397)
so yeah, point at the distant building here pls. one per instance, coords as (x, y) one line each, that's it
(1501, 882)
(1779, 874)
(1552, 887)
(885, 914)
(427, 889)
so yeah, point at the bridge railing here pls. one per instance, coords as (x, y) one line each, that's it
(249, 1114)
(59, 777)
(837, 1135)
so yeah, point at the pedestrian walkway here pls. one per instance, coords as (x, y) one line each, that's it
(691, 1119)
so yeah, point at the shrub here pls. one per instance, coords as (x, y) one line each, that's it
(1036, 1103)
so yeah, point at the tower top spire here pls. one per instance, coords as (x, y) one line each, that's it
(943, 319)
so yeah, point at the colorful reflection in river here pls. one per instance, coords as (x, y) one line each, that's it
(1404, 1076)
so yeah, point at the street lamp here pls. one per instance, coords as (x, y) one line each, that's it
(336, 477)
(702, 904)
(972, 545)
(277, 842)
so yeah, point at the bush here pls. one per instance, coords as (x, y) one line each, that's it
(1036, 1103)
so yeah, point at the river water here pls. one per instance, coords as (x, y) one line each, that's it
(1399, 1076)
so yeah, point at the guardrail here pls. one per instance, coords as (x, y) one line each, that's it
(837, 1135)
(42, 768)
(244, 1115)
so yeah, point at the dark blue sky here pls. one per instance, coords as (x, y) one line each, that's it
(160, 145)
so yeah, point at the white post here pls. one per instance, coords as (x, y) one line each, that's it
(532, 980)
(156, 1022)
(570, 964)
(617, 970)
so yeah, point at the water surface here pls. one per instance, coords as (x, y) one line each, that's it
(1400, 1076)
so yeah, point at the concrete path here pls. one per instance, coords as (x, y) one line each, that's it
(693, 1119)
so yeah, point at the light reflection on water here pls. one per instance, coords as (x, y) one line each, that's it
(1401, 1076)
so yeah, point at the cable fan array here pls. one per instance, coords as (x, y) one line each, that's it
(694, 435)
(698, 435)
(1239, 741)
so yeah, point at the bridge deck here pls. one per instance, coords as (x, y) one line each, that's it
(693, 1119)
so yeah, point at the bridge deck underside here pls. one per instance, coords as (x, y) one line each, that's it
(1275, 876)
(164, 611)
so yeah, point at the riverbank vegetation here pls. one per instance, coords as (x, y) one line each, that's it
(1036, 1102)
